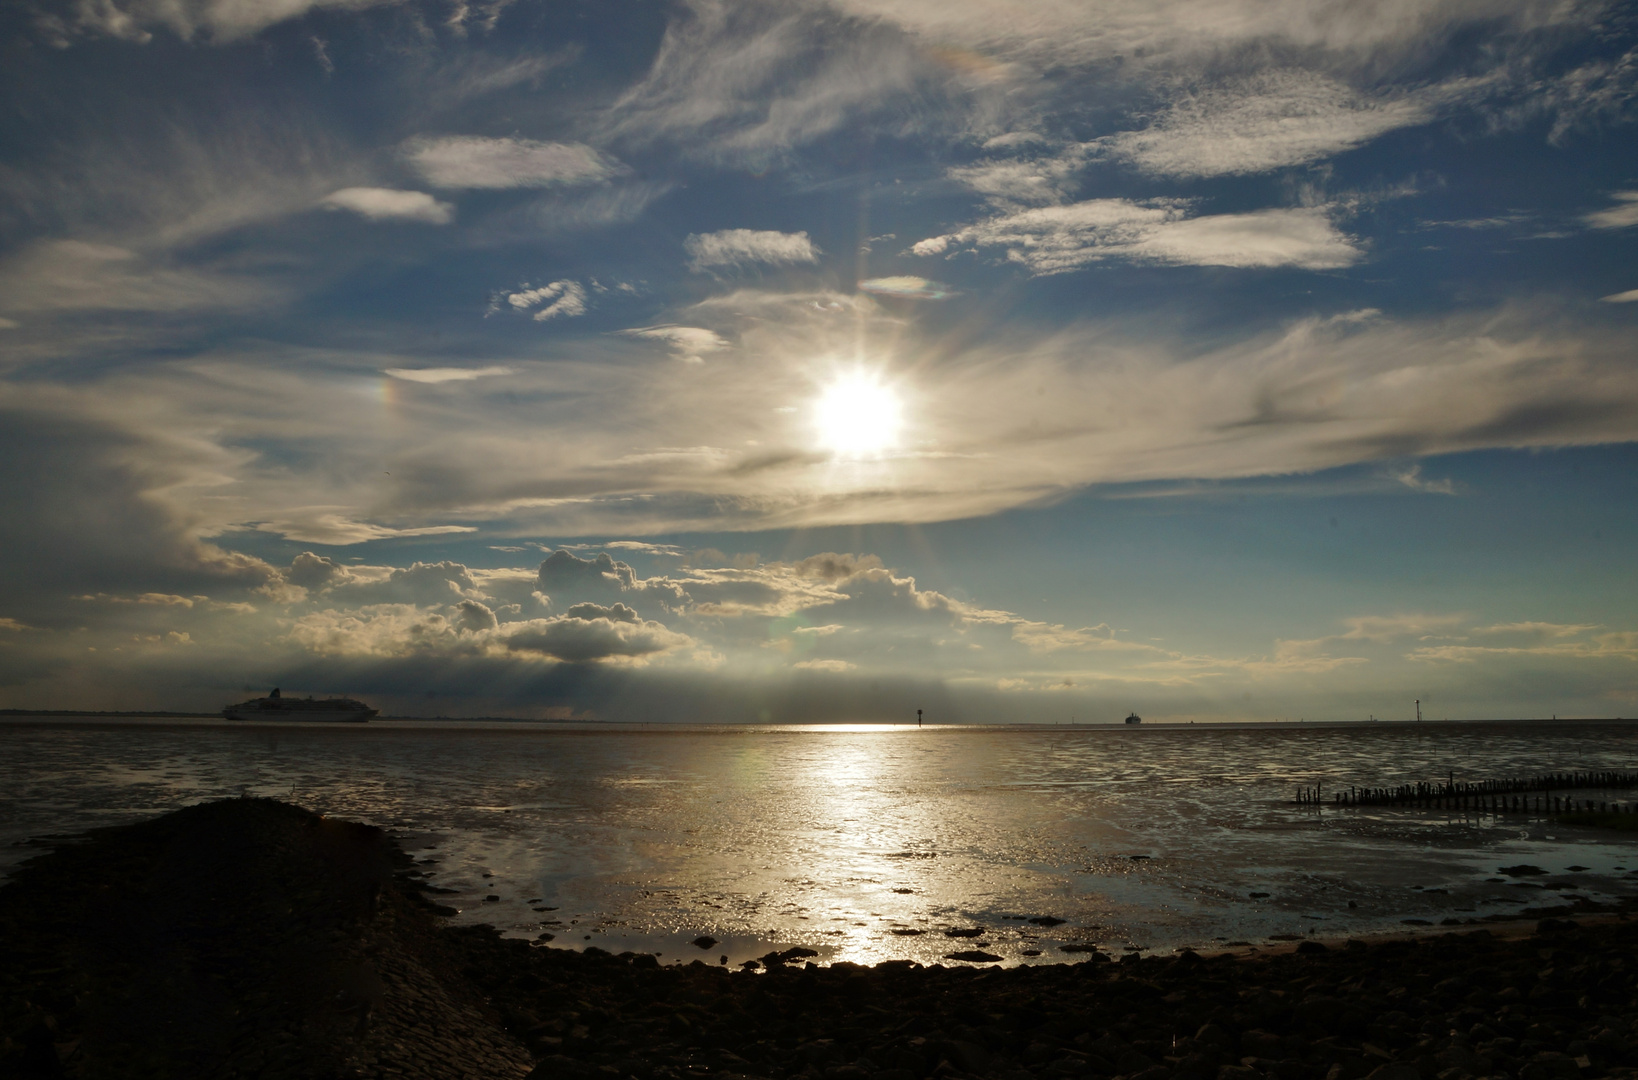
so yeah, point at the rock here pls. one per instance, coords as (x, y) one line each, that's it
(491, 899)
(1395, 1070)
(1048, 920)
(905, 931)
(790, 955)
(1521, 870)
(1311, 947)
(975, 931)
(973, 956)
(705, 941)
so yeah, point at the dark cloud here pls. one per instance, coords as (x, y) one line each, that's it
(475, 616)
(86, 513)
(316, 572)
(579, 640)
(566, 577)
(589, 611)
(425, 584)
(563, 570)
(830, 566)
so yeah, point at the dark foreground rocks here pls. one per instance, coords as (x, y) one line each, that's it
(240, 938)
(298, 951)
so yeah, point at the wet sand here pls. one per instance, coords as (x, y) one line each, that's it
(249, 938)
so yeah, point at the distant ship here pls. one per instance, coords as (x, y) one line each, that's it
(277, 707)
(1134, 718)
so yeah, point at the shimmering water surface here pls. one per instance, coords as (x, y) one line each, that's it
(834, 838)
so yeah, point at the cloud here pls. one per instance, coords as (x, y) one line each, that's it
(829, 566)
(74, 275)
(1623, 215)
(381, 204)
(446, 374)
(470, 161)
(133, 20)
(568, 299)
(1167, 33)
(475, 617)
(824, 665)
(740, 247)
(1268, 120)
(1030, 182)
(1413, 479)
(333, 525)
(907, 287)
(688, 343)
(1055, 239)
(580, 640)
(316, 572)
(747, 83)
(105, 503)
(1628, 297)
(589, 611)
(564, 570)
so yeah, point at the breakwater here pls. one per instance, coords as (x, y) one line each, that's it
(1548, 793)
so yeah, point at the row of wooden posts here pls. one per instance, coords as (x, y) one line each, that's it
(1521, 795)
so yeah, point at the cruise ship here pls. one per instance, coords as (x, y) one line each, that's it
(275, 706)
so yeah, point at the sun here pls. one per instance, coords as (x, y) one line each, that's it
(858, 415)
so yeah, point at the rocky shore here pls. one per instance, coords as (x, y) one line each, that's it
(254, 939)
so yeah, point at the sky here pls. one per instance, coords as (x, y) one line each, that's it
(729, 361)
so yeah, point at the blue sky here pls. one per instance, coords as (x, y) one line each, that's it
(1216, 360)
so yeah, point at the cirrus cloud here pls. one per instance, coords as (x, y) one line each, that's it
(1055, 239)
(471, 161)
(743, 247)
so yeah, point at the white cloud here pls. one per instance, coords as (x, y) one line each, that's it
(446, 374)
(1623, 215)
(1413, 479)
(219, 20)
(470, 161)
(1054, 239)
(1628, 297)
(906, 286)
(567, 298)
(688, 343)
(1158, 32)
(747, 81)
(380, 204)
(1266, 121)
(1032, 182)
(738, 247)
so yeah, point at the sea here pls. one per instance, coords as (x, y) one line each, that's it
(867, 843)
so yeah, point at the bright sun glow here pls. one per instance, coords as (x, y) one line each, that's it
(858, 415)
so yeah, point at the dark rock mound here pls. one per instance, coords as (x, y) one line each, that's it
(246, 936)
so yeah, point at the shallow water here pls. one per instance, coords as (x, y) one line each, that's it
(833, 838)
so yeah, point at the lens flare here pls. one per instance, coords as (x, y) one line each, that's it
(858, 415)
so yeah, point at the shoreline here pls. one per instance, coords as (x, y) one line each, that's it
(306, 946)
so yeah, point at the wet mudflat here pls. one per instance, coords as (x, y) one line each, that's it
(306, 947)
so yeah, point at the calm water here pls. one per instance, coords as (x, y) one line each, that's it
(832, 838)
